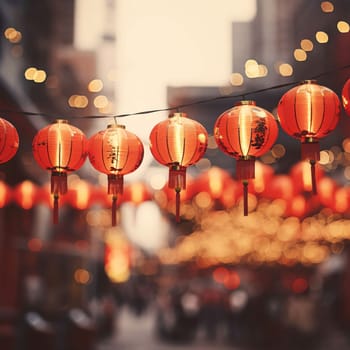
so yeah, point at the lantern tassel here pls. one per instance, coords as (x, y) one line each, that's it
(114, 211)
(177, 204)
(313, 177)
(245, 198)
(55, 208)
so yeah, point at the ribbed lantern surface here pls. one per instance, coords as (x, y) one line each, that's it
(346, 97)
(9, 141)
(245, 132)
(60, 148)
(177, 143)
(115, 152)
(309, 112)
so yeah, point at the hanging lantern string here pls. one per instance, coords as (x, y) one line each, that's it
(178, 107)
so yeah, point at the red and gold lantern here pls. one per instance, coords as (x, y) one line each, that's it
(346, 97)
(9, 141)
(177, 143)
(60, 148)
(309, 112)
(245, 132)
(115, 152)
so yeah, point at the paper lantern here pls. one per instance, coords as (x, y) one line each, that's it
(115, 152)
(9, 141)
(346, 97)
(60, 148)
(309, 112)
(177, 143)
(245, 132)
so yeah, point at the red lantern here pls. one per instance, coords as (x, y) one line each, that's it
(79, 194)
(346, 97)
(9, 141)
(245, 132)
(115, 152)
(5, 194)
(60, 148)
(25, 194)
(178, 142)
(309, 112)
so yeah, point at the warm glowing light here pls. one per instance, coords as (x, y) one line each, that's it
(39, 76)
(327, 6)
(101, 101)
(232, 281)
(30, 73)
(82, 276)
(203, 200)
(306, 45)
(13, 35)
(78, 101)
(220, 274)
(300, 55)
(9, 32)
(27, 189)
(343, 27)
(285, 69)
(236, 79)
(95, 85)
(322, 37)
(346, 145)
(263, 71)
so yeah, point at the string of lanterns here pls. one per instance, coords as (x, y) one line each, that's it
(307, 112)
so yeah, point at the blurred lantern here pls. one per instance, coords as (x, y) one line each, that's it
(326, 191)
(263, 176)
(346, 97)
(115, 152)
(79, 194)
(341, 200)
(136, 193)
(219, 184)
(245, 132)
(309, 112)
(60, 148)
(9, 141)
(302, 179)
(5, 194)
(25, 194)
(178, 142)
(280, 187)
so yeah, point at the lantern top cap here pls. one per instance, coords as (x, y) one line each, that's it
(178, 114)
(115, 126)
(62, 121)
(308, 81)
(245, 103)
